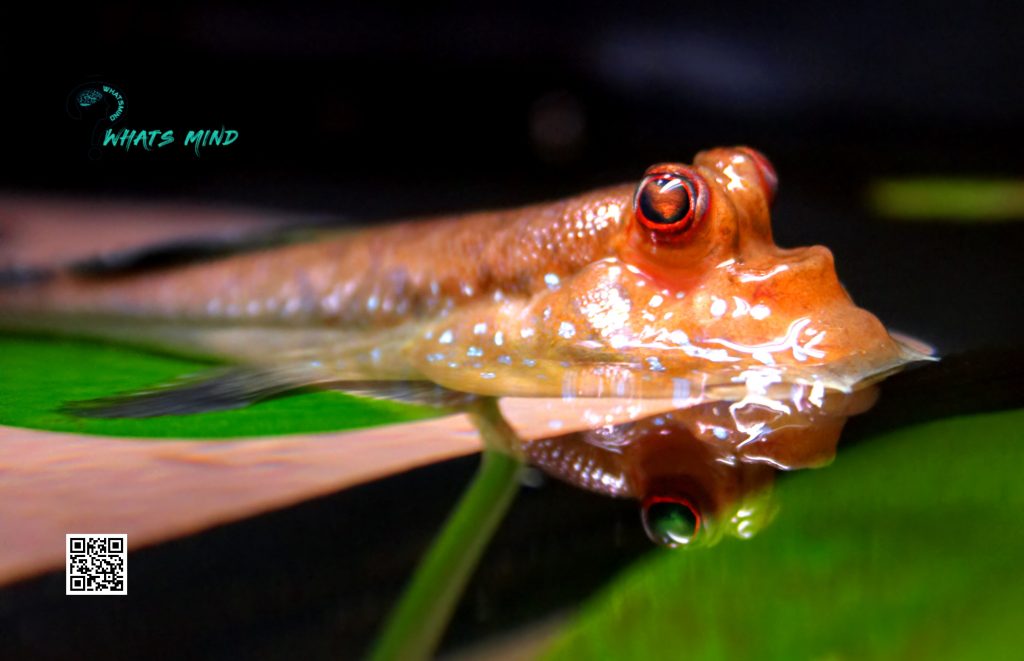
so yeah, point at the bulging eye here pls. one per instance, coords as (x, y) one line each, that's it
(671, 521)
(766, 169)
(670, 203)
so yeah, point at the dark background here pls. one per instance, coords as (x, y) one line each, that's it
(372, 113)
(498, 104)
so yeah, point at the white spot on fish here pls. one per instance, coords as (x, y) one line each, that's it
(655, 301)
(291, 306)
(735, 180)
(551, 280)
(499, 339)
(760, 311)
(817, 394)
(678, 337)
(718, 307)
(525, 333)
(446, 337)
(474, 352)
(331, 304)
(758, 277)
(505, 359)
(566, 330)
(480, 328)
(486, 375)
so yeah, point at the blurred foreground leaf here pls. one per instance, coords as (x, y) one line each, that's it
(37, 376)
(958, 200)
(909, 546)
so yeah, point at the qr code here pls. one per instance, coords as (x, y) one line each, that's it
(97, 564)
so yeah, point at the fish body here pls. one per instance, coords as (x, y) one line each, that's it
(665, 287)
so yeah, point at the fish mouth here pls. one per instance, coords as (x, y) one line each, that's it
(776, 316)
(787, 316)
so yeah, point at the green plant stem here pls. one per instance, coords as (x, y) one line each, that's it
(415, 626)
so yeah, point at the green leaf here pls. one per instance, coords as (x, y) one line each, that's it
(909, 546)
(38, 375)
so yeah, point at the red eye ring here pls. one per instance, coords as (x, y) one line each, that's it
(768, 175)
(678, 523)
(670, 202)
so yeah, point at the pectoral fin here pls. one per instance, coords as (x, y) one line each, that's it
(424, 393)
(218, 390)
(236, 387)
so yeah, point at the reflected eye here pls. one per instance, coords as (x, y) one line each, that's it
(767, 170)
(671, 521)
(670, 203)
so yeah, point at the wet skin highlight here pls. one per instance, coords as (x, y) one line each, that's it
(669, 286)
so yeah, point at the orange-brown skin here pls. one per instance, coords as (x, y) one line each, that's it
(574, 297)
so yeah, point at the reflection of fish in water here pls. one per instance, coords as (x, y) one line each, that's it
(702, 471)
(670, 288)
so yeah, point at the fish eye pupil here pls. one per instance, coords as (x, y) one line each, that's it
(670, 522)
(664, 200)
(670, 203)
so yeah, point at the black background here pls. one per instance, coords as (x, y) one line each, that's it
(446, 105)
